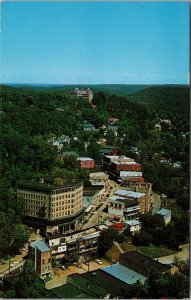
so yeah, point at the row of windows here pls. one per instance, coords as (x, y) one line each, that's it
(119, 206)
(66, 203)
(43, 197)
(36, 202)
(33, 196)
(65, 196)
(61, 208)
(63, 202)
(46, 268)
(32, 206)
(60, 191)
(66, 213)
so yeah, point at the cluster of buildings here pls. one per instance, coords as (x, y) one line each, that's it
(113, 281)
(59, 208)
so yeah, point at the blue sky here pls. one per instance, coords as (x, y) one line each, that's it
(98, 42)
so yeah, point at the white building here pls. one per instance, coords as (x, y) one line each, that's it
(134, 225)
(166, 213)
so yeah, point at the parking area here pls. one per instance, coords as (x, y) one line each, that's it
(74, 269)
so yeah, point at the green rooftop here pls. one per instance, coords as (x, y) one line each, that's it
(90, 287)
(69, 291)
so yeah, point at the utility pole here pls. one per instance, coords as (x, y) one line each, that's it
(98, 216)
(35, 259)
(9, 264)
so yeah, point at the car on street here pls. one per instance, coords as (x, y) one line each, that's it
(98, 261)
(63, 268)
(86, 262)
(78, 265)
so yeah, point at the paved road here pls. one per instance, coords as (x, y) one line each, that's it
(4, 269)
(184, 255)
(117, 245)
(95, 218)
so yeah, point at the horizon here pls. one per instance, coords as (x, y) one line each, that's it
(91, 84)
(80, 42)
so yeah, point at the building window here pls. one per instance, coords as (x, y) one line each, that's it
(43, 261)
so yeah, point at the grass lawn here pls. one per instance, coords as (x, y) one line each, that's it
(151, 251)
(154, 251)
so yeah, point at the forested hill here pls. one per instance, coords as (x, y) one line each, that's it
(168, 99)
(118, 89)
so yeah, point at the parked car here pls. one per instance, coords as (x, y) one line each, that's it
(12, 265)
(25, 249)
(98, 261)
(86, 263)
(63, 268)
(78, 265)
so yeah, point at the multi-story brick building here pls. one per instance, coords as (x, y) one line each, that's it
(52, 206)
(41, 253)
(122, 165)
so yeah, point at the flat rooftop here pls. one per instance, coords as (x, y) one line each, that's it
(41, 245)
(124, 274)
(164, 211)
(48, 186)
(84, 158)
(127, 202)
(130, 194)
(141, 263)
(112, 284)
(89, 286)
(68, 291)
(133, 222)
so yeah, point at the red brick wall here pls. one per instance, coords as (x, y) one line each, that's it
(88, 164)
(129, 167)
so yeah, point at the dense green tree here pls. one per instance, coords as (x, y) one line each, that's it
(105, 241)
(28, 284)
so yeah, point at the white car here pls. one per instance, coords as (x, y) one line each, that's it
(63, 268)
(25, 249)
(12, 265)
(98, 261)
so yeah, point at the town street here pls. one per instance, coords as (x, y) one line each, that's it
(96, 216)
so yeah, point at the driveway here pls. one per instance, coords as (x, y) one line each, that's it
(73, 269)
